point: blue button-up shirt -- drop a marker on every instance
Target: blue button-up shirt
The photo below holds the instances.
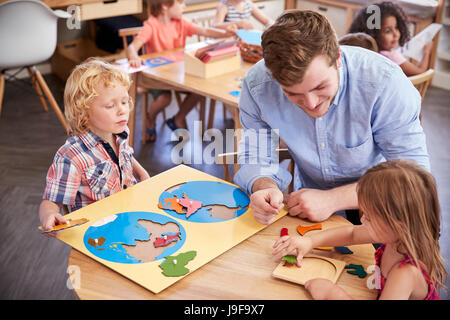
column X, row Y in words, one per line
column 374, row 117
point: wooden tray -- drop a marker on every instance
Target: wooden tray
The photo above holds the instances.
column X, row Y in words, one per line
column 313, row 266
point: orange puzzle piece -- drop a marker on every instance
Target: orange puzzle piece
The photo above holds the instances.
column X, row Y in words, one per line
column 302, row 230
column 172, row 203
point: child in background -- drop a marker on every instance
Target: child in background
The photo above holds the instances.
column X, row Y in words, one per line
column 166, row 29
column 400, row 208
column 359, row 39
column 238, row 12
column 393, row 33
column 96, row 160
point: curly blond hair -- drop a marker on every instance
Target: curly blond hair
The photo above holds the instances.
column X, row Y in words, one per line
column 80, row 90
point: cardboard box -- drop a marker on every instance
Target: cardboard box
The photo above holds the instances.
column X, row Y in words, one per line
column 71, row 53
column 196, row 67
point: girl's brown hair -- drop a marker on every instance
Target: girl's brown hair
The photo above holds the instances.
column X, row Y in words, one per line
column 404, row 196
column 80, row 90
column 155, row 6
column 294, row 40
column 387, row 9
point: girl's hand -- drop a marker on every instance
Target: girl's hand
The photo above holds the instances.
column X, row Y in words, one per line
column 136, row 62
column 231, row 29
column 245, row 24
column 319, row 289
column 286, row 245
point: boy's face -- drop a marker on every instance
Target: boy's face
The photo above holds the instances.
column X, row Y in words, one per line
column 317, row 89
column 176, row 10
column 109, row 111
column 389, row 34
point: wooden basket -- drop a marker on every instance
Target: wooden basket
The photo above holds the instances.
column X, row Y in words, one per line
column 250, row 52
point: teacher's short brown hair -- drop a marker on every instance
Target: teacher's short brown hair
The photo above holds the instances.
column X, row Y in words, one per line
column 294, row 40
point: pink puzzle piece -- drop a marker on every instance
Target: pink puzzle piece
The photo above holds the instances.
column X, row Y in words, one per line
column 191, row 205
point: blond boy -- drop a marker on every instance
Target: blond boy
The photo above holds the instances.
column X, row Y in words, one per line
column 96, row 160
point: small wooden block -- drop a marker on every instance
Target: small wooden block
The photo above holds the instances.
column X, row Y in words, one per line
column 284, row 232
column 69, row 224
column 302, row 229
column 324, row 248
column 343, row 250
column 313, row 266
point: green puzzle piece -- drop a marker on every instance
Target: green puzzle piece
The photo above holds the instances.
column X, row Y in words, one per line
column 359, row 270
column 290, row 258
column 175, row 266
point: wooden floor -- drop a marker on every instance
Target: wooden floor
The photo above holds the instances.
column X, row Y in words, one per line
column 35, row 267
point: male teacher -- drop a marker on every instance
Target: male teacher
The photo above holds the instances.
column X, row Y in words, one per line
column 340, row 111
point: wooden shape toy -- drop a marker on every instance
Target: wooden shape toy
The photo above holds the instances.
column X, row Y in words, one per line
column 70, row 223
column 284, row 232
column 304, row 229
column 313, row 266
column 173, row 204
column 324, row 248
column 175, row 266
column 165, row 240
column 358, row 270
column 191, row 205
column 343, row 250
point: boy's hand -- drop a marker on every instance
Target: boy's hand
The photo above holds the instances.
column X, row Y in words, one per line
column 286, row 245
column 319, row 289
column 50, row 220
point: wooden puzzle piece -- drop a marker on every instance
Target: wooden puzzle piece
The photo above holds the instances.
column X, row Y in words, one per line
column 289, row 260
column 304, row 229
column 175, row 266
column 165, row 240
column 96, row 242
column 284, row 232
column 324, row 248
column 172, row 204
column 191, row 205
column 70, row 223
column 358, row 270
column 343, row 250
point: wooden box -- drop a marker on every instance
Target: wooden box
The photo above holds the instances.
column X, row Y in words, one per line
column 196, row 67
column 71, row 53
column 109, row 8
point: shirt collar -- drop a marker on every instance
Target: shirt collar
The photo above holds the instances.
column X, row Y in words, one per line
column 90, row 139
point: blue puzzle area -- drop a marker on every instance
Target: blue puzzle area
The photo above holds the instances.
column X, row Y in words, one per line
column 209, row 193
column 108, row 237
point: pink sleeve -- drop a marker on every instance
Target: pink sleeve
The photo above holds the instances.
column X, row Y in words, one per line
column 394, row 56
column 190, row 28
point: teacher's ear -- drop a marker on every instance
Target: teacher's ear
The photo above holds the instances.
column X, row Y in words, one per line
column 338, row 60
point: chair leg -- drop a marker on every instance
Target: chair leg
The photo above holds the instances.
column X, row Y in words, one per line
column 212, row 109
column 38, row 89
column 2, row 90
column 202, row 114
column 144, row 115
column 51, row 99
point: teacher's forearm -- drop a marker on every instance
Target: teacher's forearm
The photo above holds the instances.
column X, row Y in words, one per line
column 345, row 197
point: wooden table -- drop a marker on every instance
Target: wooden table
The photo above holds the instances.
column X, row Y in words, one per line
column 243, row 272
column 172, row 77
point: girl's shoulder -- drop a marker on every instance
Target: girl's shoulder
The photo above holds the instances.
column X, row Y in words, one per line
column 408, row 274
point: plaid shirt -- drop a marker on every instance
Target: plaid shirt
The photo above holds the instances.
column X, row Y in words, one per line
column 83, row 172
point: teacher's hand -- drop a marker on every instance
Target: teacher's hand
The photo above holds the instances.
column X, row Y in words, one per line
column 265, row 204
column 311, row 204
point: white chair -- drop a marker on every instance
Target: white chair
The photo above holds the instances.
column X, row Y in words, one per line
column 28, row 32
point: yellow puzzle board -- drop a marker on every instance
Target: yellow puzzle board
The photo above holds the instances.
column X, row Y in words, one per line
column 209, row 240
column 313, row 266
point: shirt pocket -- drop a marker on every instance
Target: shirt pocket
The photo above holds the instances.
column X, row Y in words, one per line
column 352, row 162
column 100, row 179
